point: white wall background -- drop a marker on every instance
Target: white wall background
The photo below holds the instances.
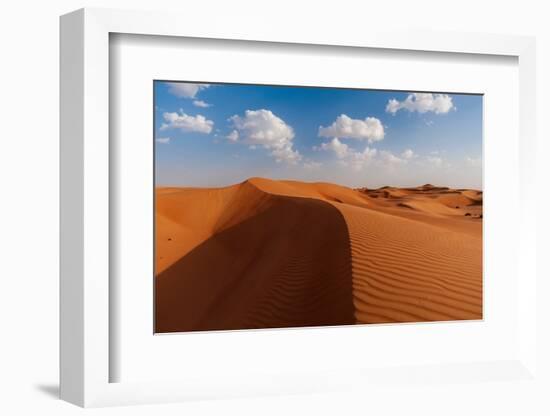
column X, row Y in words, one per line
column 29, row 114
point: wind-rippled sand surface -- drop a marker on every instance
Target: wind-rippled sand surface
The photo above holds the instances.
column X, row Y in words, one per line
column 268, row 254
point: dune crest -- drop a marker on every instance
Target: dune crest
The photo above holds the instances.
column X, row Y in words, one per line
column 269, row 253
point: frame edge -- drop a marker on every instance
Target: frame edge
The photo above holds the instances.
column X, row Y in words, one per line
column 71, row 219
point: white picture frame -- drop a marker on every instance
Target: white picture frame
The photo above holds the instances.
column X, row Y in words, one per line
column 85, row 220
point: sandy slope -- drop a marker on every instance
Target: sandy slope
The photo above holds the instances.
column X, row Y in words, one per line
column 188, row 216
column 406, row 270
column 270, row 261
column 270, row 253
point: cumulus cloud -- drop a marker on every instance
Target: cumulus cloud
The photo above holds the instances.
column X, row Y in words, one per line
column 233, row 136
column 201, row 104
column 347, row 156
column 286, row 154
column 187, row 123
column 185, row 89
column 380, row 159
column 163, row 140
column 408, row 154
column 265, row 129
column 345, row 127
column 359, row 160
column 390, row 159
column 422, row 103
column 340, row 149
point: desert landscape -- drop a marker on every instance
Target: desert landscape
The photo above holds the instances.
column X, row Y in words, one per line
column 271, row 210
column 278, row 253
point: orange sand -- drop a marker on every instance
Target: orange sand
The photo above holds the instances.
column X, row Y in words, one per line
column 264, row 254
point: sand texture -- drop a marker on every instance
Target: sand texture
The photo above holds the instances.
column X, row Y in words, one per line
column 269, row 254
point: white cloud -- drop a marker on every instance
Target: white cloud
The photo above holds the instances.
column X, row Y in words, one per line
column 201, row 104
column 286, row 154
column 347, row 156
column 187, row 123
column 358, row 160
column 263, row 128
column 185, row 89
column 390, row 159
column 345, row 127
column 340, row 149
column 383, row 161
column 163, row 140
column 422, row 103
column 361, row 159
column 233, row 136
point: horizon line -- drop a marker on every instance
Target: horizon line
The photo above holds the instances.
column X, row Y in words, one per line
column 156, row 186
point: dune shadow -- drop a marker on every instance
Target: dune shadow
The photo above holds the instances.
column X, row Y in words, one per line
column 288, row 266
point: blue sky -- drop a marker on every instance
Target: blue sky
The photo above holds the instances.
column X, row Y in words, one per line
column 221, row 134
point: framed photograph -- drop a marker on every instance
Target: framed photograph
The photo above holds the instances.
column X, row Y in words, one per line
column 282, row 212
column 277, row 206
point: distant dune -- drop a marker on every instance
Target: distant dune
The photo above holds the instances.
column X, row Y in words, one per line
column 268, row 254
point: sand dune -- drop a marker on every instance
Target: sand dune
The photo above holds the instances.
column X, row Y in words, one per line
column 266, row 253
column 276, row 262
column 405, row 270
column 187, row 217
